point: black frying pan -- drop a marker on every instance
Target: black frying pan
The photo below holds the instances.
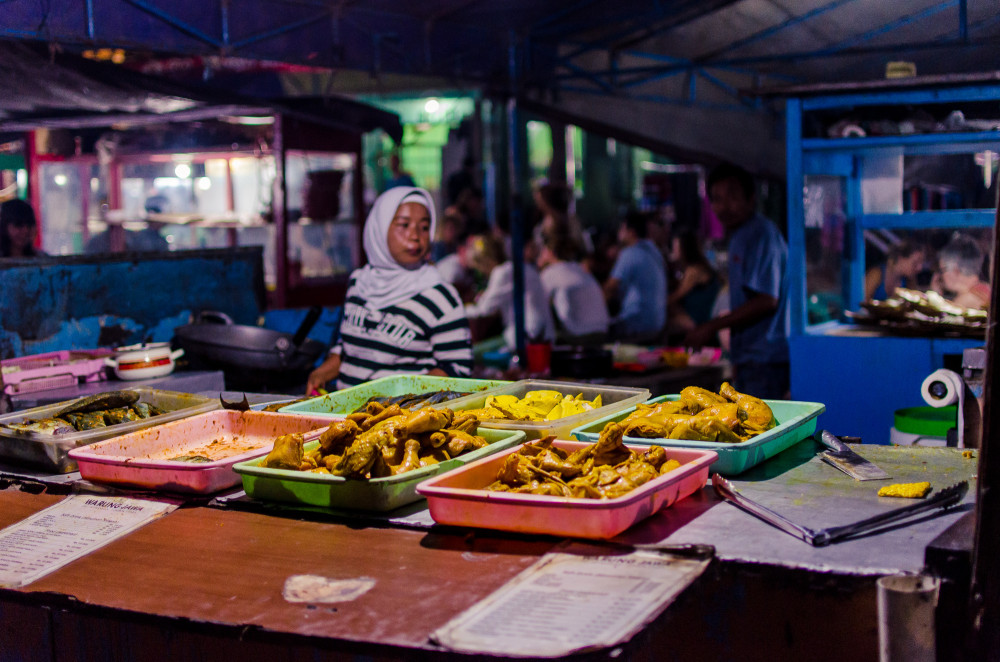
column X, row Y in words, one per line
column 214, row 338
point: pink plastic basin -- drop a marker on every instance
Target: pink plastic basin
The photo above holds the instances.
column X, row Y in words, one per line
column 142, row 458
column 458, row 498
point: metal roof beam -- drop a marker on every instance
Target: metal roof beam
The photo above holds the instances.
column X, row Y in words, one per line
column 290, row 27
column 693, row 12
column 664, row 99
column 774, row 29
column 175, row 23
column 889, row 27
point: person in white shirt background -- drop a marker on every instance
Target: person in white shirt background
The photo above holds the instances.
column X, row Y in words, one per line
column 487, row 256
column 577, row 300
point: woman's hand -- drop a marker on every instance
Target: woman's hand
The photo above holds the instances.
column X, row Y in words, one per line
column 326, row 371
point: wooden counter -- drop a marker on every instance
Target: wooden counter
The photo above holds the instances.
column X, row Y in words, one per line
column 205, row 582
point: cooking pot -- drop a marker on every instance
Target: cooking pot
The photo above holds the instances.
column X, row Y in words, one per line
column 244, row 350
column 143, row 361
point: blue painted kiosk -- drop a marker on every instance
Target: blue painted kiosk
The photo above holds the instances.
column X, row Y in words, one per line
column 871, row 165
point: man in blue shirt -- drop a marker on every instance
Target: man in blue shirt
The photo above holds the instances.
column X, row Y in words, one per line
column 758, row 288
column 639, row 281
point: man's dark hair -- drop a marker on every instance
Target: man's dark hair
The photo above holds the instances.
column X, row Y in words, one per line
column 637, row 222
column 724, row 171
column 563, row 247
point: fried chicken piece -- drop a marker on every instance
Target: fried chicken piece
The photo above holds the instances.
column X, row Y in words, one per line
column 361, row 455
column 461, row 442
column 411, row 457
column 386, row 413
column 338, row 436
column 286, row 453
column 428, row 420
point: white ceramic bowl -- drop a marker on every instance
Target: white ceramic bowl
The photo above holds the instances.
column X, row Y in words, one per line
column 144, row 361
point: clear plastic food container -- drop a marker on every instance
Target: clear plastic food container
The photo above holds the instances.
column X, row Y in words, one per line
column 796, row 421
column 613, row 399
column 458, row 498
column 147, row 458
column 51, row 452
column 345, row 401
column 375, row 494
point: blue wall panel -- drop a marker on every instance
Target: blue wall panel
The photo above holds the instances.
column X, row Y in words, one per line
column 84, row 302
column 864, row 380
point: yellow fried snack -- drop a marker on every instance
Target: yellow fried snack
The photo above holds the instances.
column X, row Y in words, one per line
column 534, row 406
column 906, row 490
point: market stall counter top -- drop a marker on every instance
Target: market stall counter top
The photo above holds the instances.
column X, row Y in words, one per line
column 800, row 486
column 212, row 581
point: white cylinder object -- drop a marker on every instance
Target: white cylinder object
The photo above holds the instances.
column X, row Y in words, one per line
column 941, row 388
column 906, row 605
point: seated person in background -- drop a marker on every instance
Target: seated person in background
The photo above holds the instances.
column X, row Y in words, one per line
column 470, row 207
column 399, row 316
column 959, row 264
column 454, row 268
column 639, row 281
column 696, row 284
column 487, row 256
column 580, row 314
column 553, row 200
column 903, row 263
column 18, row 229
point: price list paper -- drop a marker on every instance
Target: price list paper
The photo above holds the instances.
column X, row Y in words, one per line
column 72, row 528
column 568, row 603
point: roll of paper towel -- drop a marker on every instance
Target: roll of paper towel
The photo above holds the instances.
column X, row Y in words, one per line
column 941, row 388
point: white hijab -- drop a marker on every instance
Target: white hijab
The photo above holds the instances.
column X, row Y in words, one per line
column 383, row 281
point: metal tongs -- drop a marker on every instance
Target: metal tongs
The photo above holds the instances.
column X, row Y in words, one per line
column 945, row 498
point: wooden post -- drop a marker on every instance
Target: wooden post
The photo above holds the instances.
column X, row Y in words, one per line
column 985, row 594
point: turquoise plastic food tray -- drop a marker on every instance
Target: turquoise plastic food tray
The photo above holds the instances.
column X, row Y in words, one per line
column 796, row 421
column 343, row 402
column 375, row 494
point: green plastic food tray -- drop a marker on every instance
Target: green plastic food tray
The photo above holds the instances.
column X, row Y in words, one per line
column 343, row 402
column 613, row 398
column 376, row 494
column 796, row 421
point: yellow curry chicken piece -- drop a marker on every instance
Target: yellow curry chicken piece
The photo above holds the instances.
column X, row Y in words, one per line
column 701, row 415
column 603, row 470
column 535, row 406
column 380, row 441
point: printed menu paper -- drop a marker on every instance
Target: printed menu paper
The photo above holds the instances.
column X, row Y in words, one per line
column 568, row 602
column 74, row 527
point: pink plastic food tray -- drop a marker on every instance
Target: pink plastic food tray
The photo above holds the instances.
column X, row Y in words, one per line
column 140, row 459
column 54, row 369
column 457, row 498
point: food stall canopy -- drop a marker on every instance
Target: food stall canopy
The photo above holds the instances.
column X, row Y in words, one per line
column 51, row 89
column 644, row 66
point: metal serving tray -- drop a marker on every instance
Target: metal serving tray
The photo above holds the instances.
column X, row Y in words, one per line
column 51, row 452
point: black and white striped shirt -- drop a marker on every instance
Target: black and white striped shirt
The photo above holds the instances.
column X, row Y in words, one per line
column 426, row 331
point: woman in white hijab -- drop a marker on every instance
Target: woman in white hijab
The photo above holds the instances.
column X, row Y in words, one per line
column 399, row 315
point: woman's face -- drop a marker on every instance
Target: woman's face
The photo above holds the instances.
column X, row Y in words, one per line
column 21, row 237
column 954, row 280
column 409, row 237
column 911, row 265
